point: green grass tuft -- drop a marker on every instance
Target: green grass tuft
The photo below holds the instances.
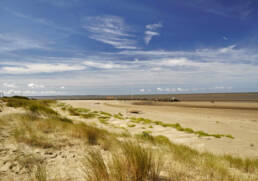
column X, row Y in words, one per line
column 118, row 116
column 89, row 115
column 131, row 125
column 162, row 140
column 103, row 119
column 105, row 113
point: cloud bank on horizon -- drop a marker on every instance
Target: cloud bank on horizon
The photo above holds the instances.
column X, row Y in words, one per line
column 59, row 47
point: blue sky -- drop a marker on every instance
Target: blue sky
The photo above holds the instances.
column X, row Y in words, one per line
column 75, row 47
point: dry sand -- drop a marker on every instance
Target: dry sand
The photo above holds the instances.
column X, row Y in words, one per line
column 240, row 119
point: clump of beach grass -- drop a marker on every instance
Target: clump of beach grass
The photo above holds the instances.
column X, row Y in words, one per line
column 160, row 139
column 82, row 112
column 103, row 119
column 41, row 172
column 40, row 107
column 247, row 165
column 89, row 115
column 133, row 162
column 105, row 114
column 118, row 116
column 94, row 166
column 93, row 135
column 77, row 111
column 131, row 125
column 27, row 133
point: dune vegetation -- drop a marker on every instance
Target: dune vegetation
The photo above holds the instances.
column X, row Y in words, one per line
column 46, row 140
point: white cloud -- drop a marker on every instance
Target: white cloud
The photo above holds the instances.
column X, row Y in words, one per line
column 104, row 65
column 32, row 85
column 154, row 26
column 227, row 49
column 40, row 68
column 228, row 54
column 111, row 30
column 150, row 32
column 49, row 92
column 221, row 88
column 225, row 67
column 149, row 35
column 9, row 85
column 142, row 90
column 170, row 62
column 178, row 89
column 12, row 92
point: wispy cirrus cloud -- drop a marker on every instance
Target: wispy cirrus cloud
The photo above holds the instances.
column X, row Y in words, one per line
column 151, row 31
column 104, row 65
column 42, row 21
column 111, row 30
column 9, row 42
column 40, row 68
column 230, row 54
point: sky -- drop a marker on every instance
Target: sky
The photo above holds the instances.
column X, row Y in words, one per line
column 96, row 47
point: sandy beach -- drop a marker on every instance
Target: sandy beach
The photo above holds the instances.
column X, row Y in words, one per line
column 239, row 119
